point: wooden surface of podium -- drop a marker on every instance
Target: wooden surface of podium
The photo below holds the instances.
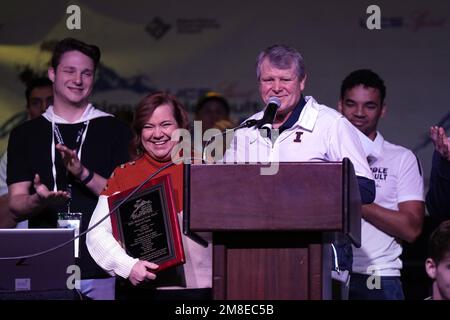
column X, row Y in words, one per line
column 271, row 232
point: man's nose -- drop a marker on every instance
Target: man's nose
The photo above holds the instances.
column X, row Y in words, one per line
column 276, row 86
column 78, row 78
column 359, row 112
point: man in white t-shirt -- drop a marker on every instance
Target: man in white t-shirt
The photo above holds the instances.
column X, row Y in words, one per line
column 398, row 210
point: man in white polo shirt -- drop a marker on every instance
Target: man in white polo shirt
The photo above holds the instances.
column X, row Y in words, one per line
column 307, row 130
column 398, row 211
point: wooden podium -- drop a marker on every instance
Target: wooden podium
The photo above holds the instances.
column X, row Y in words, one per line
column 271, row 232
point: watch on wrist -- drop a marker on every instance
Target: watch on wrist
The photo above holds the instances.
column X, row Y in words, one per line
column 89, row 177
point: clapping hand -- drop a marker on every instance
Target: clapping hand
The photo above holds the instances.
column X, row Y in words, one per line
column 47, row 196
column 440, row 141
column 70, row 159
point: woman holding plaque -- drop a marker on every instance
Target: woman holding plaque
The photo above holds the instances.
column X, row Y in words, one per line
column 155, row 120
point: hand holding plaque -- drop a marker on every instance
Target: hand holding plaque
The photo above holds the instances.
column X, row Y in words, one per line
column 146, row 225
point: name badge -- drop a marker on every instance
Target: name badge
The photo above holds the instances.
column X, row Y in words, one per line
column 71, row 220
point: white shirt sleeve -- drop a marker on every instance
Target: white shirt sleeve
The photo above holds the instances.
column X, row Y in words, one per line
column 410, row 184
column 103, row 247
column 344, row 143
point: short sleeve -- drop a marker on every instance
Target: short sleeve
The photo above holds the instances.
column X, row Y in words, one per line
column 344, row 143
column 410, row 186
column 18, row 166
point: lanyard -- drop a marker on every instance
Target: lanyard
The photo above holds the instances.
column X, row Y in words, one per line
column 55, row 130
column 60, row 139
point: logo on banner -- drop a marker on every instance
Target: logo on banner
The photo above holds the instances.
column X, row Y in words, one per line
column 157, row 28
column 417, row 20
column 194, row 26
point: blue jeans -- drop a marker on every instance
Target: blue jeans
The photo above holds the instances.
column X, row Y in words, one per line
column 390, row 288
column 99, row 289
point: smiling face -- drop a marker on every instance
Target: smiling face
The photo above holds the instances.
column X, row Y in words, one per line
column 73, row 79
column 157, row 131
column 281, row 83
column 362, row 106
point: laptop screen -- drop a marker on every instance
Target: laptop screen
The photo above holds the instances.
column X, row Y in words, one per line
column 42, row 273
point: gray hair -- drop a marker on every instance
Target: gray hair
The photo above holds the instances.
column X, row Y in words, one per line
column 282, row 57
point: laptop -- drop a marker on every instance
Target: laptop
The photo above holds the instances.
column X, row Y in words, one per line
column 42, row 277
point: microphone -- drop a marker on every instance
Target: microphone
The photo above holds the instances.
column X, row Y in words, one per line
column 269, row 114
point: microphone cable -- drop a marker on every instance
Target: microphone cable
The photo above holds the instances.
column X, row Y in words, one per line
column 102, row 219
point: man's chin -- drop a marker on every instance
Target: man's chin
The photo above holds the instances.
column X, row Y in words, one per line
column 77, row 101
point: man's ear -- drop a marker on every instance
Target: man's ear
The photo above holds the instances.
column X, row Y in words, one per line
column 340, row 105
column 383, row 110
column 51, row 74
column 430, row 268
column 302, row 83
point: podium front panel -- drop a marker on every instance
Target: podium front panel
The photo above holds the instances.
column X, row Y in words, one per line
column 301, row 196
